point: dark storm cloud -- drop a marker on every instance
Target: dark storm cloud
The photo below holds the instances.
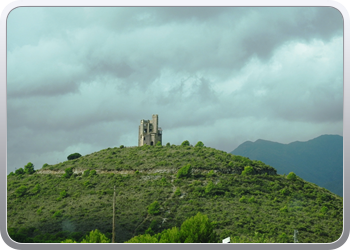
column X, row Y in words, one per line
column 81, row 79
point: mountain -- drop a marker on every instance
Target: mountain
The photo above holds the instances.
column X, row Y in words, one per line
column 160, row 187
column 319, row 160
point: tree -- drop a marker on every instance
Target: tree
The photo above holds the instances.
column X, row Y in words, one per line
column 185, row 143
column 199, row 144
column 29, row 168
column 95, row 237
column 185, row 171
column 73, row 156
column 19, row 171
column 198, row 229
column 158, row 144
column 171, row 235
column 146, row 238
column 68, row 241
column 291, row 176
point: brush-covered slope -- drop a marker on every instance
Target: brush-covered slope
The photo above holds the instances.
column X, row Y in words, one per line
column 238, row 204
column 319, row 160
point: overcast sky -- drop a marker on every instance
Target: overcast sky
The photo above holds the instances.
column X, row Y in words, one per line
column 81, row 79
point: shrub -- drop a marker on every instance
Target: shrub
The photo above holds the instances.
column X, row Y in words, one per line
column 185, row 143
column 158, row 144
column 63, row 194
column 69, row 172
column 243, row 199
column 185, row 171
column 291, row 176
column 95, row 237
column 73, row 156
column 19, row 171
column 210, row 186
column 121, row 146
column 36, row 189
column 68, row 241
column 146, row 238
column 199, row 144
column 86, row 173
column 45, row 165
column 57, row 214
column 248, row 170
column 11, row 174
column 153, row 208
column 92, row 172
column 168, row 144
column 198, row 229
column 210, row 173
column 177, row 192
column 21, row 191
column 29, row 168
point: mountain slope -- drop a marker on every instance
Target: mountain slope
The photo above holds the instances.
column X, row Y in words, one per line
column 319, row 160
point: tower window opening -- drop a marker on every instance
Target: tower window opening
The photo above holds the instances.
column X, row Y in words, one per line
column 145, row 130
column 151, row 143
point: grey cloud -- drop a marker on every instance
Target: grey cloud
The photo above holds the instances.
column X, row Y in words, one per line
column 84, row 77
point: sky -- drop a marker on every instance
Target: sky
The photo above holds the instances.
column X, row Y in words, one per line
column 80, row 79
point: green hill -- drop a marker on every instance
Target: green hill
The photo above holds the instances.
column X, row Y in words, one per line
column 72, row 198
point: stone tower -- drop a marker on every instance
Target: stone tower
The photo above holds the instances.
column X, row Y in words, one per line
column 149, row 132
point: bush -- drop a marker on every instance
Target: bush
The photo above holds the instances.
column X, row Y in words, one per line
column 248, row 170
column 185, row 143
column 73, row 156
column 168, row 144
column 210, row 186
column 63, row 194
column 154, row 208
column 197, row 229
column 177, row 192
column 158, row 144
column 19, row 171
column 36, row 189
column 29, row 168
column 69, row 172
column 121, row 146
column 199, row 144
column 291, row 176
column 92, row 172
column 243, row 199
column 95, row 237
column 68, row 241
column 185, row 171
column 21, row 191
column 57, row 214
column 45, row 165
column 86, row 173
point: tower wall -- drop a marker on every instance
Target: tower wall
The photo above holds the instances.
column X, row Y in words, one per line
column 149, row 132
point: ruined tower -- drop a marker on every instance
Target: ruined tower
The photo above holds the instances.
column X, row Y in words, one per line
column 149, row 132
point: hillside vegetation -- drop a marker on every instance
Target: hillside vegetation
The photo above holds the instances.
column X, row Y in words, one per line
column 319, row 160
column 159, row 188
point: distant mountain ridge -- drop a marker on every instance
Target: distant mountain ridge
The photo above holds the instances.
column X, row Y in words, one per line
column 319, row 160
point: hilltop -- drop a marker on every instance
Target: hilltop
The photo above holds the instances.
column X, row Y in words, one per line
column 74, row 197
